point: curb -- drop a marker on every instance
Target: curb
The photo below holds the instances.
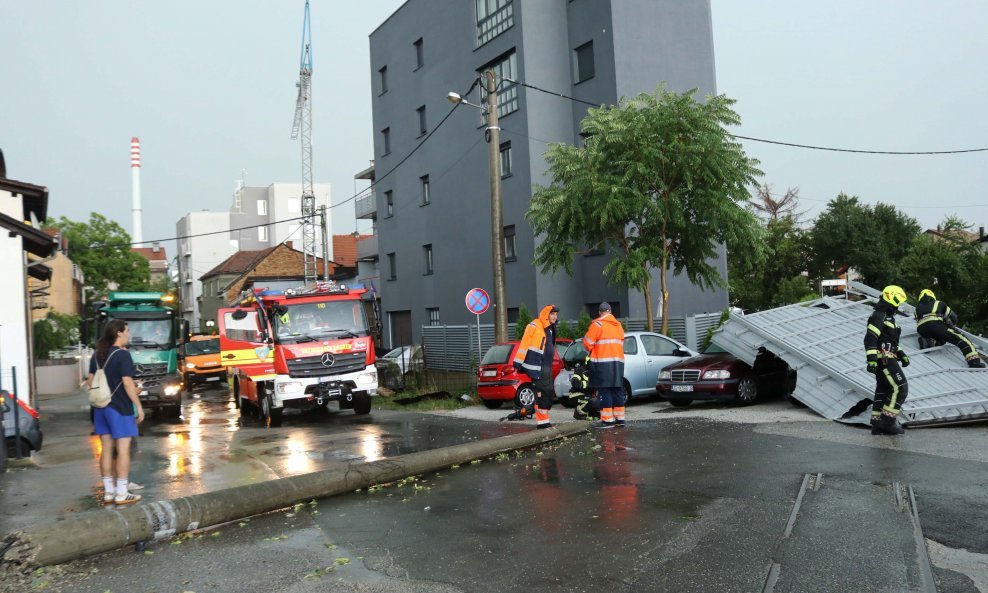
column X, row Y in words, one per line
column 94, row 532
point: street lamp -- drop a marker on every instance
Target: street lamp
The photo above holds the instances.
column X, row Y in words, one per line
column 497, row 216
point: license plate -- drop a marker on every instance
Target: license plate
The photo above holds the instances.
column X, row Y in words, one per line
column 682, row 388
column 332, row 392
column 489, row 374
column 145, row 392
column 212, row 378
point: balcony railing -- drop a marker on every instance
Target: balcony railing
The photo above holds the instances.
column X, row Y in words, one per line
column 365, row 207
column 367, row 248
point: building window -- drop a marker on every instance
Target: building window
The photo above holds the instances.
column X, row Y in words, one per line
column 386, row 140
column 504, row 67
column 392, row 268
column 389, row 203
column 509, row 243
column 433, row 315
column 427, row 253
column 383, row 78
column 426, row 197
column 262, row 207
column 591, row 309
column 493, row 18
column 419, row 56
column 422, row 126
column 583, row 62
column 505, row 160
column 262, row 234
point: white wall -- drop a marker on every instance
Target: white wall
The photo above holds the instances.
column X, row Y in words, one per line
column 13, row 327
column 203, row 253
column 284, row 202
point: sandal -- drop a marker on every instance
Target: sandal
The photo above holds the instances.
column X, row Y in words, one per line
column 128, row 498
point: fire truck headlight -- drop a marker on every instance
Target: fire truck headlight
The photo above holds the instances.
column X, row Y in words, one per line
column 289, row 386
column 367, row 378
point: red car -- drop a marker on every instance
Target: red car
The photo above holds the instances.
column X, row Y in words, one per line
column 719, row 375
column 498, row 381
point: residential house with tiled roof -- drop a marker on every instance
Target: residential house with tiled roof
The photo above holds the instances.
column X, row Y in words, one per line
column 157, row 261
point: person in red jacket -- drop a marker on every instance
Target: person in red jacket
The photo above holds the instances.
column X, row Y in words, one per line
column 534, row 358
column 605, row 344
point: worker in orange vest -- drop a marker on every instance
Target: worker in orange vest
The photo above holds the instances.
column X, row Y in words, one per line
column 605, row 344
column 534, row 358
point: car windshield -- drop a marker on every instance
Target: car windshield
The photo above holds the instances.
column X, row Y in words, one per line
column 498, row 354
column 197, row 347
column 576, row 352
column 396, row 353
column 150, row 333
column 714, row 349
column 307, row 322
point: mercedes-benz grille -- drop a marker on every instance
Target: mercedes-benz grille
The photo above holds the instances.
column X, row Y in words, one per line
column 316, row 366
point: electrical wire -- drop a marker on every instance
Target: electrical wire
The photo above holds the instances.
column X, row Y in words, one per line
column 776, row 142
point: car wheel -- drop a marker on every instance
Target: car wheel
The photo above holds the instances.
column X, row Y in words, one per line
column 747, row 391
column 525, row 397
column 680, row 403
column 492, row 404
column 627, row 392
column 12, row 446
column 361, row 403
column 186, row 384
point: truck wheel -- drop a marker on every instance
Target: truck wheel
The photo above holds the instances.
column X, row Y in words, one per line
column 492, row 404
column 270, row 415
column 173, row 412
column 361, row 403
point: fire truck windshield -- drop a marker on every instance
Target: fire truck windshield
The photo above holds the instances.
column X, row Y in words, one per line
column 305, row 322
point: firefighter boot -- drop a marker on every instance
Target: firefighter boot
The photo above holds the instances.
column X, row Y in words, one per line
column 975, row 363
column 887, row 425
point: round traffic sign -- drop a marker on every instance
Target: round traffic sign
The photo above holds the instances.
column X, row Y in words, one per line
column 478, row 301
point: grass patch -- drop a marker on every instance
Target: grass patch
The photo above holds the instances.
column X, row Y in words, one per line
column 386, row 402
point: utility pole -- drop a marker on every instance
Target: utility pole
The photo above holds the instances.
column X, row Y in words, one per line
column 497, row 216
column 324, row 220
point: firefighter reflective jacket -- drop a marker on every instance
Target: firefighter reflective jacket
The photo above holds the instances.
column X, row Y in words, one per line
column 528, row 359
column 605, row 343
column 882, row 338
column 930, row 309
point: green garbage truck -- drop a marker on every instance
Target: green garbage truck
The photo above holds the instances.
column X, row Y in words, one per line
column 155, row 335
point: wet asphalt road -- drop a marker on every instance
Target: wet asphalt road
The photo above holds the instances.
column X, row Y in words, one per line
column 671, row 504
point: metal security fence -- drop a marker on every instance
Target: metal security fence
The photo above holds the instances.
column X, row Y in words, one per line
column 454, row 347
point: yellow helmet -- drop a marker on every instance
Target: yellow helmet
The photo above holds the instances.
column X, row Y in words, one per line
column 926, row 292
column 894, row 295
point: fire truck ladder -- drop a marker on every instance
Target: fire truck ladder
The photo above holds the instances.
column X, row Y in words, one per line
column 302, row 125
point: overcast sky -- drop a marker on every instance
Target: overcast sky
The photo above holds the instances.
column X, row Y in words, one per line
column 209, row 87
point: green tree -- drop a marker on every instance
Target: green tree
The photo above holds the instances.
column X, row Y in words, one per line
column 872, row 240
column 658, row 184
column 779, row 280
column 524, row 318
column 54, row 332
column 101, row 248
column 583, row 323
column 566, row 329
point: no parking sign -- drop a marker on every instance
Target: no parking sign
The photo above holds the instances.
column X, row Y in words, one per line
column 478, row 301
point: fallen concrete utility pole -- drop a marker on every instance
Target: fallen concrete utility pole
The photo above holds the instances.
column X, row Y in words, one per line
column 99, row 531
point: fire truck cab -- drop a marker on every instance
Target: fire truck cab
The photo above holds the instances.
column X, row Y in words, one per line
column 298, row 349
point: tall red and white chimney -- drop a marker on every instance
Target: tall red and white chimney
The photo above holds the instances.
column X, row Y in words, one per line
column 135, row 188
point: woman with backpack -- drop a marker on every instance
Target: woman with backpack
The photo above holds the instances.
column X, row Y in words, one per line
column 115, row 423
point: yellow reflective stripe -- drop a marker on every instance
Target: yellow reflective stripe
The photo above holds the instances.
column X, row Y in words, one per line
column 874, row 330
column 894, row 396
column 244, row 356
column 871, row 351
column 890, row 323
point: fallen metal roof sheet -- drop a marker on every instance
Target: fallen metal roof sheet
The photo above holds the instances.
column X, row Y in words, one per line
column 823, row 341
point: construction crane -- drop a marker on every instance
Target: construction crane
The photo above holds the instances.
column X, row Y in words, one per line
column 302, row 126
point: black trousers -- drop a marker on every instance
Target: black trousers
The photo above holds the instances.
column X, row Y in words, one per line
column 891, row 388
column 942, row 333
column 545, row 392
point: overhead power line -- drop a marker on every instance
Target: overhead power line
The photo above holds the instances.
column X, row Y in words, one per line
column 791, row 144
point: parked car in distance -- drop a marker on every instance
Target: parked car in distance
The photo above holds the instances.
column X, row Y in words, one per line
column 30, row 427
column 718, row 375
column 498, row 381
column 394, row 367
column 201, row 362
column 645, row 355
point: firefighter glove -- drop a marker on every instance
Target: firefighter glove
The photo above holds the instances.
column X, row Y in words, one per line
column 873, row 367
column 903, row 359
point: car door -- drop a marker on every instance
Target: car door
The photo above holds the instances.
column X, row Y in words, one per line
column 634, row 365
column 658, row 353
column 243, row 343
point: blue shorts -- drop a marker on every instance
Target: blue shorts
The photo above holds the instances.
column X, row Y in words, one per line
column 109, row 421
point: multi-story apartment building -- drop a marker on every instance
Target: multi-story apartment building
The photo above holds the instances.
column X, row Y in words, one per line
column 199, row 251
column 433, row 210
column 278, row 201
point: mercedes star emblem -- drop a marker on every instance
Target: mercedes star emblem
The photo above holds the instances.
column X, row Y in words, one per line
column 327, row 359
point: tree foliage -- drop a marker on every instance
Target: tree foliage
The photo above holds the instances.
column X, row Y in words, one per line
column 658, row 184
column 524, row 318
column 871, row 239
column 779, row 280
column 101, row 248
column 55, row 332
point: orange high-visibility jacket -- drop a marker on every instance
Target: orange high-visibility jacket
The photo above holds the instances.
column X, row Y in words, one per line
column 528, row 359
column 605, row 343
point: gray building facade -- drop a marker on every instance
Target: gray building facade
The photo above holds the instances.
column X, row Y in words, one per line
column 433, row 211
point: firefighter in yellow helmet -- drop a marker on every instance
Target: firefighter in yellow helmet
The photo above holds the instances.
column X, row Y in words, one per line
column 885, row 360
column 935, row 322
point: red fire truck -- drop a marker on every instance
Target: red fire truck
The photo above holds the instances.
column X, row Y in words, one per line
column 298, row 349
